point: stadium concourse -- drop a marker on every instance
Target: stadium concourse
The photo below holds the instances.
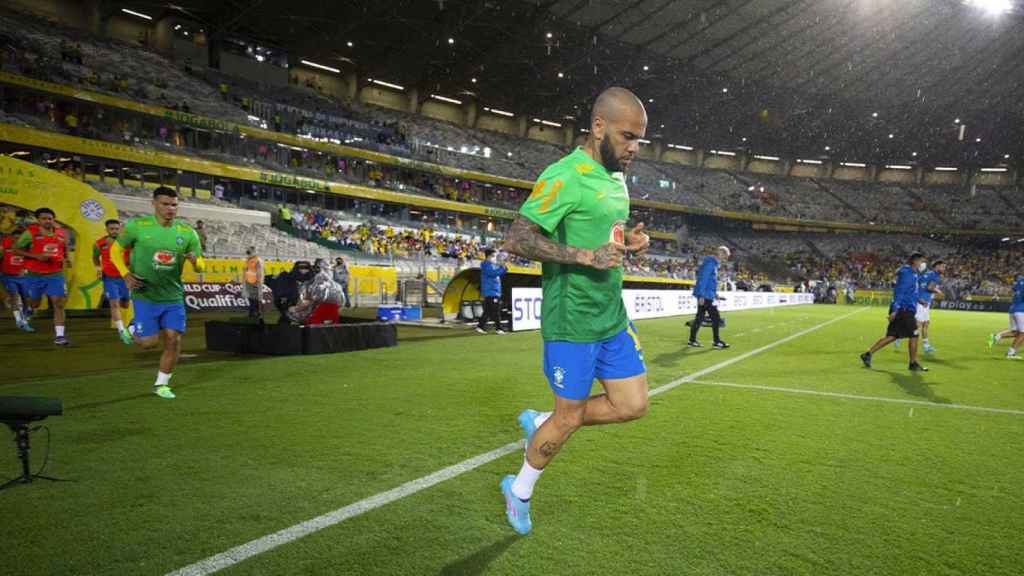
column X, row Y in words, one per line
column 385, row 159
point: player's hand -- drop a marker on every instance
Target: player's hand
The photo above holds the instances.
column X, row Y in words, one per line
column 892, row 316
column 636, row 241
column 133, row 281
column 607, row 256
column 99, row 273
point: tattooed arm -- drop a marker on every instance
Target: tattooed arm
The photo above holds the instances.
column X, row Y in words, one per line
column 524, row 238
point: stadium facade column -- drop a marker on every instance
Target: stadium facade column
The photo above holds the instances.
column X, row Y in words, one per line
column 570, row 133
column 1015, row 176
column 786, row 166
column 472, row 112
column 872, row 173
column 351, row 81
column 659, row 148
column 95, row 19
column 743, row 161
column 524, row 126
column 828, row 169
column 968, row 177
column 919, row 175
column 414, row 100
column 698, row 157
column 163, row 36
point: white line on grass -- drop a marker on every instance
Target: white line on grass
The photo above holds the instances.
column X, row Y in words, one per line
column 269, row 542
column 861, row 397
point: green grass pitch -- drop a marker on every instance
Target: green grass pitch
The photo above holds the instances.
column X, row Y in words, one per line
column 716, row 479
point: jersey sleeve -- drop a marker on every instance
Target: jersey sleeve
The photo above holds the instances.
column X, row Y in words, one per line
column 553, row 197
column 25, row 240
column 128, row 234
column 194, row 247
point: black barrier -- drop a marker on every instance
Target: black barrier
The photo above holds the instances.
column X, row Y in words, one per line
column 970, row 306
column 288, row 340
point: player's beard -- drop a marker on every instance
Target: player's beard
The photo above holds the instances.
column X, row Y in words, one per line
column 608, row 158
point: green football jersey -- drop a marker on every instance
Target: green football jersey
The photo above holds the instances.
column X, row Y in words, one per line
column 578, row 203
column 158, row 256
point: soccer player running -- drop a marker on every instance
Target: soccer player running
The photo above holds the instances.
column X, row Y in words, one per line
column 927, row 288
column 12, row 272
column 574, row 223
column 114, row 286
column 44, row 247
column 1017, row 318
column 902, row 323
column 706, row 293
column 159, row 246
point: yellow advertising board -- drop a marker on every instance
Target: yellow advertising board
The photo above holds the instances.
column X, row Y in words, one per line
column 79, row 208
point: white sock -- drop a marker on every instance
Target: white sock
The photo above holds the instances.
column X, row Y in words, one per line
column 18, row 316
column 59, row 330
column 522, row 488
column 1011, row 352
column 162, row 379
column 926, row 342
column 541, row 418
column 120, row 325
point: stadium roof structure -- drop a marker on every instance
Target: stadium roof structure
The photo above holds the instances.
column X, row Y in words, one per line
column 871, row 80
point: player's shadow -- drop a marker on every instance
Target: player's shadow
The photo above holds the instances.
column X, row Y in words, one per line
column 914, row 385
column 478, row 561
column 671, row 358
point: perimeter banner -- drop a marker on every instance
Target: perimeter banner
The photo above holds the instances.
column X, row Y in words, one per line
column 645, row 304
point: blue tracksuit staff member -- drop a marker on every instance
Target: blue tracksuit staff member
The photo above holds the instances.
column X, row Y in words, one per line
column 706, row 293
column 902, row 324
column 490, row 288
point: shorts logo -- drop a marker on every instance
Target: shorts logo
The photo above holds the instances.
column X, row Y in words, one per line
column 559, row 374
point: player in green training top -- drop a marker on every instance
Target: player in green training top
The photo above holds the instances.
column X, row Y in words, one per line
column 159, row 245
column 574, row 222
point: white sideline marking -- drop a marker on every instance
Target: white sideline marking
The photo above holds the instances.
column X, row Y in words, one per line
column 862, row 397
column 269, row 542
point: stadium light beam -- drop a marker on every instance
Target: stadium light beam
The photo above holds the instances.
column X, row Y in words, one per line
column 898, row 167
column 803, row 161
column 387, row 84
column 946, row 169
column 854, row 164
column 995, row 170
column 994, row 7
column 498, row 112
column 446, row 99
column 722, row 152
column 768, row 158
column 137, row 14
column 680, row 147
column 320, row 66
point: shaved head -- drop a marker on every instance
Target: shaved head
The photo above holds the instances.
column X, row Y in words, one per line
column 616, row 103
column 617, row 122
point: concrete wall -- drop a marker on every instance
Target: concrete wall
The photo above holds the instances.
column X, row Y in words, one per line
column 807, row 170
column 898, row 176
column 848, row 173
column 934, row 177
column 64, row 11
column 647, row 152
column 250, row 69
column 130, row 29
column 546, row 134
column 721, row 162
column 764, row 167
column 384, row 97
column 688, row 158
column 331, row 83
column 443, row 111
column 503, row 124
column 993, row 179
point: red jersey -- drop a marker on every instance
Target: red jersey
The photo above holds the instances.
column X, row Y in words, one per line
column 13, row 264
column 54, row 245
column 102, row 249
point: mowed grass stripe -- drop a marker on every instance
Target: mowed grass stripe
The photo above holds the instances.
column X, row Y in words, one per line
column 263, row 544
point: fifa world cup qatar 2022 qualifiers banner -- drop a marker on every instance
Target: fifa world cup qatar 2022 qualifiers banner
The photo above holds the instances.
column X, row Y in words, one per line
column 218, row 296
column 644, row 304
